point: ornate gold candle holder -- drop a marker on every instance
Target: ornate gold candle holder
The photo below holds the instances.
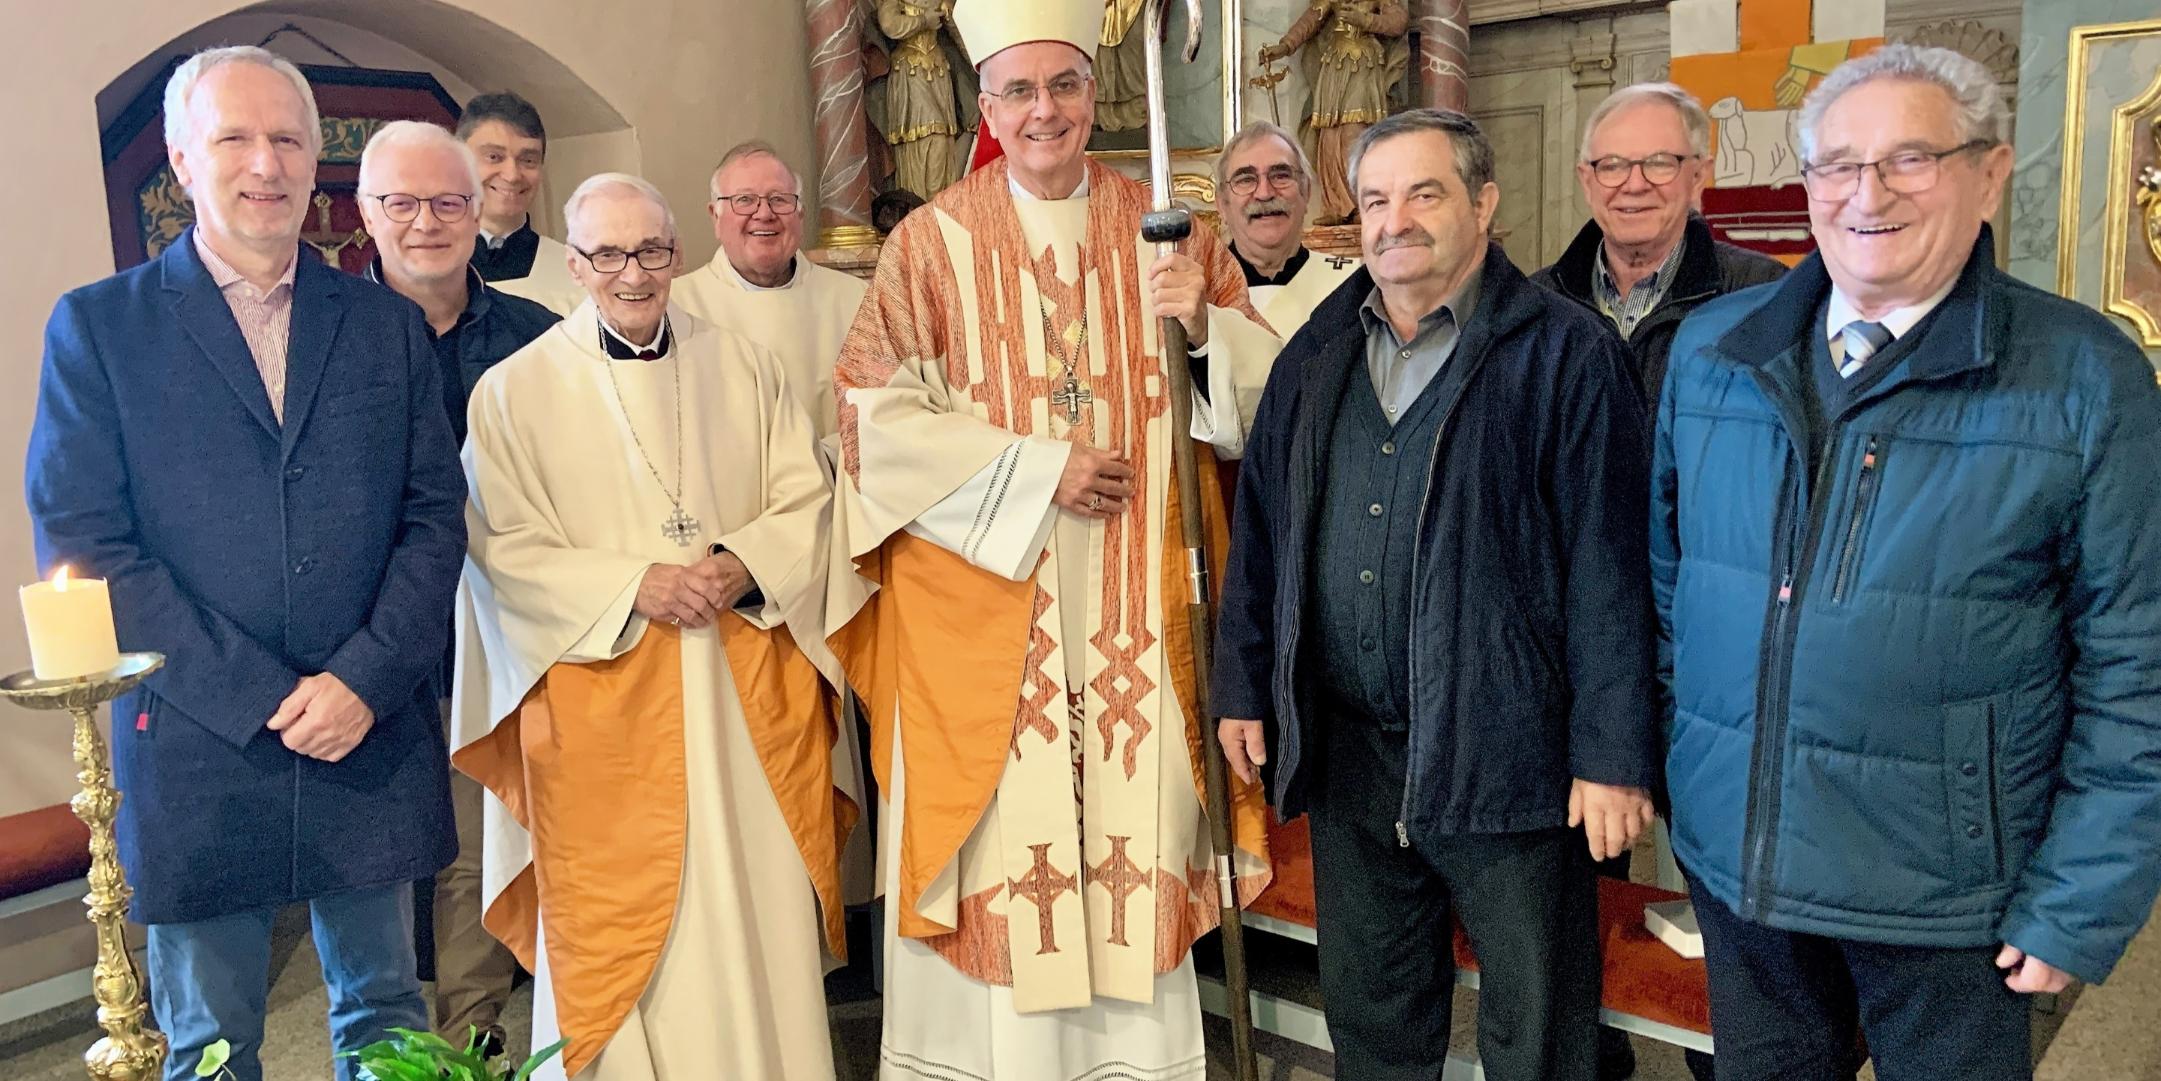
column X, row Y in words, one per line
column 130, row 1050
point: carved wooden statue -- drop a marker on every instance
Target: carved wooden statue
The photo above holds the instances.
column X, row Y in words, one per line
column 1355, row 54
column 920, row 108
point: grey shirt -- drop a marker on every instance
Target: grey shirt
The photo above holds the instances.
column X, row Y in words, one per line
column 1400, row 369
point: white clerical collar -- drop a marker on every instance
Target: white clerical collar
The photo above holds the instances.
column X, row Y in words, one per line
column 795, row 274
column 1013, row 182
column 1840, row 311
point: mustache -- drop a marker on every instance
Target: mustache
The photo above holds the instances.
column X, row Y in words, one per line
column 1412, row 237
column 1273, row 204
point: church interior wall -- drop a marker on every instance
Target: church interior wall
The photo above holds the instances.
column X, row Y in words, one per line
column 661, row 91
column 662, row 95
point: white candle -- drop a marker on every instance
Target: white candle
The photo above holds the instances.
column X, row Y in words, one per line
column 70, row 621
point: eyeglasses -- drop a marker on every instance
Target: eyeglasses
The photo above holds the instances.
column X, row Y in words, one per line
column 611, row 261
column 783, row 204
column 1279, row 177
column 1613, row 169
column 400, row 207
column 1064, row 88
column 1908, row 172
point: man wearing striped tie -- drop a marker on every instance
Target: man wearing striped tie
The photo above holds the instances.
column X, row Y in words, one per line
column 1910, row 612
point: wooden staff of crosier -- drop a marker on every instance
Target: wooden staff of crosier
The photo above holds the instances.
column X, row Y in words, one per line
column 1164, row 225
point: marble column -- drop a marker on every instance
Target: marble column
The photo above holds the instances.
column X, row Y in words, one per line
column 836, row 87
column 1444, row 46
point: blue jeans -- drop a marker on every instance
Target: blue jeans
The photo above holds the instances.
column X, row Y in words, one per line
column 209, row 980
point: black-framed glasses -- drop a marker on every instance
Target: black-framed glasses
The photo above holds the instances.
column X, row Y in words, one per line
column 1063, row 89
column 611, row 261
column 1613, row 169
column 401, row 207
column 1279, row 178
column 746, row 204
column 1908, row 172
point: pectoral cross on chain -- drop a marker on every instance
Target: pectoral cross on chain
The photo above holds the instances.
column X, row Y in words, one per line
column 1070, row 396
column 680, row 528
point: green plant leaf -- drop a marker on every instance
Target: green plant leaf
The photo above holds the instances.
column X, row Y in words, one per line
column 214, row 1058
column 424, row 1040
column 539, row 1057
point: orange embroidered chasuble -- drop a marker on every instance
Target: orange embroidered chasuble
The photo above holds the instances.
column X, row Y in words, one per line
column 1026, row 667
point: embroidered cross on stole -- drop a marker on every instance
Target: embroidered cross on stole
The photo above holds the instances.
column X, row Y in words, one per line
column 1097, row 592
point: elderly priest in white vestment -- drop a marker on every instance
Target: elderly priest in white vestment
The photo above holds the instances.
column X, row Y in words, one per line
column 1006, row 442
column 648, row 535
column 762, row 286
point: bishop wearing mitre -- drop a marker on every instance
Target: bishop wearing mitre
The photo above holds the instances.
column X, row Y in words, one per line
column 1006, row 488
column 649, row 528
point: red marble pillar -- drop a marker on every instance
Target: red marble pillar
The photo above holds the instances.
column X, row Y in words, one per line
column 1442, row 66
column 836, row 88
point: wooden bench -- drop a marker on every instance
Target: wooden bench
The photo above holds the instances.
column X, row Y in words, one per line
column 1649, row 989
column 47, row 946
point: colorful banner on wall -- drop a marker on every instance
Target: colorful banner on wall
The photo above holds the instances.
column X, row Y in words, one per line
column 1755, row 199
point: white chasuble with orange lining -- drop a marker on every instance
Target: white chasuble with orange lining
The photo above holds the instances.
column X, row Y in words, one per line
column 1045, row 847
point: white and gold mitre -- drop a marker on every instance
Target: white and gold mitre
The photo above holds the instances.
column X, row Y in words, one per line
column 988, row 27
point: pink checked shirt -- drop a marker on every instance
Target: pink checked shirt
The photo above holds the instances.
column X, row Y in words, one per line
column 266, row 320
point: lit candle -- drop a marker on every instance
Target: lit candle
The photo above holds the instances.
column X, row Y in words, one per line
column 70, row 621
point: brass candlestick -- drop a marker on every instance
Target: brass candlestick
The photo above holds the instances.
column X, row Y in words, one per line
column 130, row 1050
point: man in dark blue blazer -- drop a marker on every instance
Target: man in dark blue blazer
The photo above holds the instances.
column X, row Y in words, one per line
column 252, row 449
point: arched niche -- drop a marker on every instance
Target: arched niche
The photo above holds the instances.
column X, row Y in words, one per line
column 422, row 49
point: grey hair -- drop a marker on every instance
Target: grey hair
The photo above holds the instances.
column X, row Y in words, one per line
column 420, row 135
column 1982, row 113
column 1253, row 133
column 191, row 71
column 751, row 148
column 1474, row 153
column 599, row 182
column 1694, row 120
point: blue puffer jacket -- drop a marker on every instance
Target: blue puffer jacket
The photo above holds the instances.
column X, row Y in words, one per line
column 1916, row 697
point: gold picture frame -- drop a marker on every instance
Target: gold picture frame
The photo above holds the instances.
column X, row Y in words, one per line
column 2118, row 222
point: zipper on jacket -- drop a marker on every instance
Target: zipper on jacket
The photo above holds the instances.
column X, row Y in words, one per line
column 1864, row 493
column 1759, row 838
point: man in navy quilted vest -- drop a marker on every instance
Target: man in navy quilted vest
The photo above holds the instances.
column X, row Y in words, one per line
column 1910, row 601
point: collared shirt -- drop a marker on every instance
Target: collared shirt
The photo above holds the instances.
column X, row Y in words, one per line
column 1290, row 270
column 1400, row 370
column 1840, row 311
column 620, row 348
column 266, row 319
column 507, row 257
column 1626, row 312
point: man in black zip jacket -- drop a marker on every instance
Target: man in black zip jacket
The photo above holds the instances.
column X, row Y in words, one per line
column 1436, row 615
column 1645, row 260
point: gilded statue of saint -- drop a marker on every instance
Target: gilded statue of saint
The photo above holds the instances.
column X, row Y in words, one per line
column 1121, row 69
column 921, row 109
column 1355, row 52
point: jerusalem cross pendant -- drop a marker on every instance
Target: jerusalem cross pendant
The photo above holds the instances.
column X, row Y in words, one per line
column 680, row 528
